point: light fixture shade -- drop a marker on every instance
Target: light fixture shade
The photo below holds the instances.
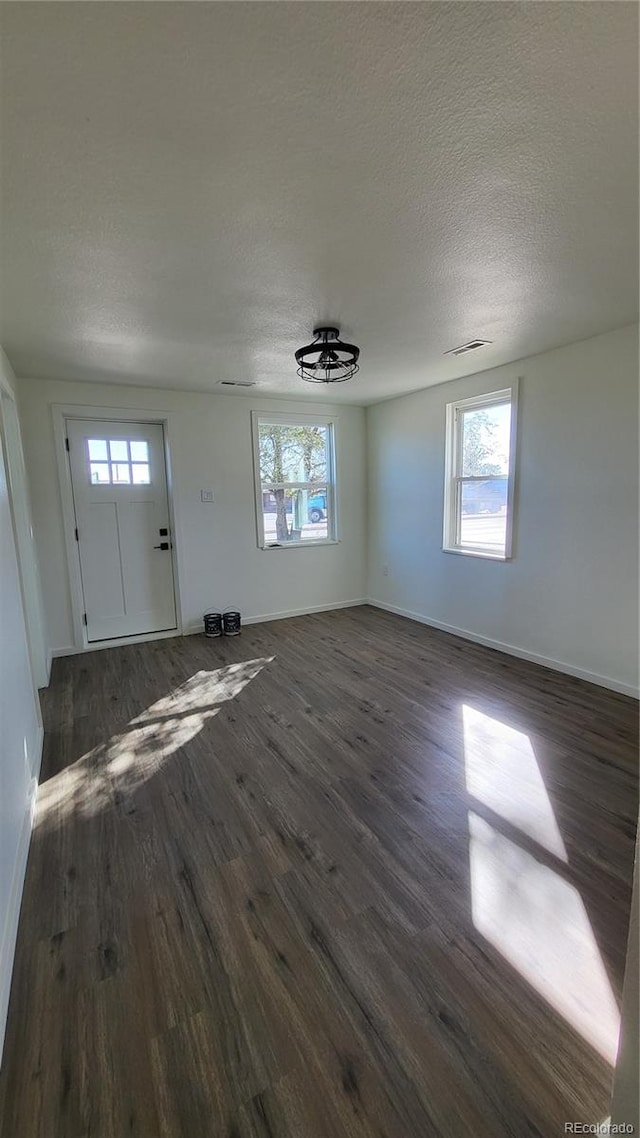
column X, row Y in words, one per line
column 327, row 359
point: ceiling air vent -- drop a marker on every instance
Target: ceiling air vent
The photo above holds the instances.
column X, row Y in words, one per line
column 237, row 383
column 470, row 347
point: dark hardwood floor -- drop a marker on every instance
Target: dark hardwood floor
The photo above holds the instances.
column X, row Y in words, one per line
column 342, row 876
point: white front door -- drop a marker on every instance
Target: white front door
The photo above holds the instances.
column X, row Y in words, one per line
column 119, row 481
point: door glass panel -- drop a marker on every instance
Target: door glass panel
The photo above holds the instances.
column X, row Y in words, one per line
column 119, row 453
column 97, row 450
column 100, row 472
column 109, row 462
column 139, row 450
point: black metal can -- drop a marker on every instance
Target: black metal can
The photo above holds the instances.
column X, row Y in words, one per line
column 213, row 624
column 231, row 623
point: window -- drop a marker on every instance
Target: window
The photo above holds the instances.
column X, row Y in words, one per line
column 118, row 461
column 480, row 453
column 295, row 480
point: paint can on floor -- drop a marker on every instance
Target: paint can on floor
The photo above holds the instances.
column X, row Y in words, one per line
column 213, row 624
column 231, row 623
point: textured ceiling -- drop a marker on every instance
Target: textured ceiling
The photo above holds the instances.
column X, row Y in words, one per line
column 189, row 188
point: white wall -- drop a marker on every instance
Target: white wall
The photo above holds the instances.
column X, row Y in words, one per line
column 20, row 739
column 570, row 593
column 220, row 564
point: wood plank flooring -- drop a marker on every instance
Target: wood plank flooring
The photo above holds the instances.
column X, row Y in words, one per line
column 343, row 876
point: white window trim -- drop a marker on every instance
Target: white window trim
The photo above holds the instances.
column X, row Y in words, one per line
column 331, row 483
column 453, row 442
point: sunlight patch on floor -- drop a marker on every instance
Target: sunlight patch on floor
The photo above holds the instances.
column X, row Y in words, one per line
column 502, row 772
column 205, row 690
column 129, row 758
column 538, row 922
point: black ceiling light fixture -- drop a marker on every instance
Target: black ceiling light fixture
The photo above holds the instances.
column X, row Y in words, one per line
column 327, row 359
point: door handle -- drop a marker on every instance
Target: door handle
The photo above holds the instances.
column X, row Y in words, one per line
column 163, row 545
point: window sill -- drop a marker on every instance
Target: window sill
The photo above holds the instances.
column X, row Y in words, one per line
column 483, row 553
column 298, row 545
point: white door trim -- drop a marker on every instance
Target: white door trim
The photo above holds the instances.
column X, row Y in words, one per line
column 60, row 413
column 28, row 565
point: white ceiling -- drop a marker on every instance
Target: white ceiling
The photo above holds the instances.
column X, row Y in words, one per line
column 189, row 188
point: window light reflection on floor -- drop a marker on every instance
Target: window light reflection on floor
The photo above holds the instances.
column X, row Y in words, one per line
column 502, row 772
column 538, row 922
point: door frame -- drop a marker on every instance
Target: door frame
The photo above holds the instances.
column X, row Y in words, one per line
column 61, row 412
column 28, row 562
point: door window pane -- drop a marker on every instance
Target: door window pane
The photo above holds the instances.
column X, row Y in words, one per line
column 118, row 449
column 139, row 450
column 109, row 462
column 97, row 450
column 100, row 472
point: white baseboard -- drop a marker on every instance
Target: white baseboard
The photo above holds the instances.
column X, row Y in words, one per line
column 512, row 650
column 12, row 916
column 71, row 650
column 193, row 628
column 261, row 618
column 303, row 612
column 36, row 764
column 119, row 642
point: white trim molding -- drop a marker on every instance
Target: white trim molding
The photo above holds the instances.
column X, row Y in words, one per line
column 512, row 650
column 118, row 642
column 454, row 467
column 20, row 505
column 277, row 418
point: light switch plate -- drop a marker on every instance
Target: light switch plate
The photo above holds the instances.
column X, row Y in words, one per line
column 206, row 495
